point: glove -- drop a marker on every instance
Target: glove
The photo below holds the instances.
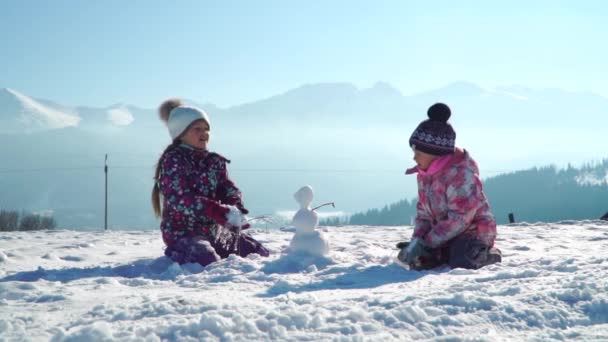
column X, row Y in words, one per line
column 242, row 208
column 235, row 219
column 402, row 244
column 414, row 251
column 237, row 202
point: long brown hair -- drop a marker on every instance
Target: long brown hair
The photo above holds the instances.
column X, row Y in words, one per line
column 164, row 112
column 156, row 188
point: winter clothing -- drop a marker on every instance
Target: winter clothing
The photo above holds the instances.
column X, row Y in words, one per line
column 420, row 258
column 181, row 117
column 435, row 136
column 461, row 252
column 471, row 254
column 436, row 165
column 192, row 250
column 402, row 244
column 415, row 250
column 452, row 207
column 199, row 250
column 197, row 198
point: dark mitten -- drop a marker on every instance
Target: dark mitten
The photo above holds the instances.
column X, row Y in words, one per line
column 242, row 208
column 402, row 244
column 236, row 201
column 416, row 251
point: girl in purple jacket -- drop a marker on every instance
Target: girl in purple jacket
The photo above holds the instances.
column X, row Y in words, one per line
column 454, row 224
column 202, row 210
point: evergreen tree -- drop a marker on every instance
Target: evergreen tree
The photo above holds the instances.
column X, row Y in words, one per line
column 538, row 194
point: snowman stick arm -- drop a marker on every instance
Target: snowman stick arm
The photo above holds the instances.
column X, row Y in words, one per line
column 324, row 204
column 263, row 218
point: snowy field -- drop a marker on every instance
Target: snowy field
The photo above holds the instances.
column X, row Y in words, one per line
column 105, row 286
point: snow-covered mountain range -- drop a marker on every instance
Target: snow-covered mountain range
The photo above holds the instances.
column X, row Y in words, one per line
column 379, row 104
column 20, row 113
column 339, row 138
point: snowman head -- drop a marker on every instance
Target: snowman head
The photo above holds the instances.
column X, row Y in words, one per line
column 304, row 196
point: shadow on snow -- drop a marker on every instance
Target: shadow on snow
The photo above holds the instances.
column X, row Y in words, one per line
column 161, row 268
column 352, row 278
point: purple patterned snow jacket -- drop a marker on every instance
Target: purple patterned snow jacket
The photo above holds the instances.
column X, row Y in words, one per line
column 196, row 190
column 451, row 203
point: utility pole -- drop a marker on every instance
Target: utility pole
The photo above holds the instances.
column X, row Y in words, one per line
column 106, row 209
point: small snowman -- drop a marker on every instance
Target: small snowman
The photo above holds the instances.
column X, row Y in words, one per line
column 307, row 239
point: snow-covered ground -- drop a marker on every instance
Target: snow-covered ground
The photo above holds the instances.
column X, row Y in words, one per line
column 98, row 286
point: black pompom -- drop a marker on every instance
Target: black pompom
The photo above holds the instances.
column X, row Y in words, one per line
column 439, row 112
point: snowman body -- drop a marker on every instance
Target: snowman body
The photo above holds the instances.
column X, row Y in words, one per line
column 307, row 239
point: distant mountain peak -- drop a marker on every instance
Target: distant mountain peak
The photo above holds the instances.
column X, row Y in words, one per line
column 335, row 91
column 517, row 92
column 21, row 112
column 463, row 88
column 118, row 105
column 455, row 89
column 514, row 88
column 319, row 88
column 318, row 93
column 8, row 93
column 384, row 88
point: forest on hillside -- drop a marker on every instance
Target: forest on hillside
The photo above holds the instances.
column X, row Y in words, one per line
column 544, row 194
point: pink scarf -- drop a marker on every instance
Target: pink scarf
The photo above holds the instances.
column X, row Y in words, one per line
column 435, row 166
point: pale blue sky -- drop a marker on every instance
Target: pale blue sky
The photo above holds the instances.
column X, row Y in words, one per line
column 229, row 52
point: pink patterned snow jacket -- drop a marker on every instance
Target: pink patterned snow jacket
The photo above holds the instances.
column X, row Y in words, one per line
column 451, row 202
column 196, row 193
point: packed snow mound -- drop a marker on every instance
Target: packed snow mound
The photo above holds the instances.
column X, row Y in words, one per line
column 313, row 243
column 91, row 286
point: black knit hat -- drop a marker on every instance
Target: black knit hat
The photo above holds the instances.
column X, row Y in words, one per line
column 435, row 136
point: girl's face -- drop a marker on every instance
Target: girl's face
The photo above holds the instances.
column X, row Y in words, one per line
column 197, row 135
column 423, row 160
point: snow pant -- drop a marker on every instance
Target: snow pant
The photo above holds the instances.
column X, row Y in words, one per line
column 471, row 253
column 204, row 250
column 460, row 252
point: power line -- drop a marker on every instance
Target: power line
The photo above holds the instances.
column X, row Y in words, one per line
column 50, row 169
column 318, row 170
column 232, row 170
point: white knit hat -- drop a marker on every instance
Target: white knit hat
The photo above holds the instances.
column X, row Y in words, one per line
column 182, row 116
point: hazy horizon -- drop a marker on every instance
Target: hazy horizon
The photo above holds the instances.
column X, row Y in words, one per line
column 473, row 130
column 350, row 144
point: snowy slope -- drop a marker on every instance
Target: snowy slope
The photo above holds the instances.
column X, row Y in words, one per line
column 593, row 177
column 94, row 286
column 21, row 113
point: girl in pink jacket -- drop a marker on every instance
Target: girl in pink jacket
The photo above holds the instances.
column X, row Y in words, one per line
column 454, row 224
